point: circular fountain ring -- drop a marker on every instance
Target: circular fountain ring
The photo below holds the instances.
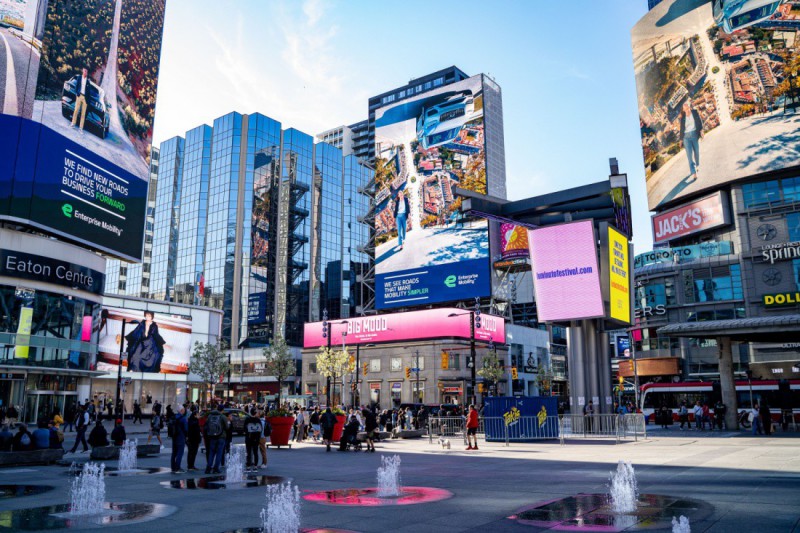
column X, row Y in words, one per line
column 58, row 516
column 369, row 497
column 218, row 482
column 17, row 491
column 592, row 512
column 112, row 471
column 303, row 530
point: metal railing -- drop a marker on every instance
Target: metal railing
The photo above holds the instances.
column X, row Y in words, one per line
column 528, row 428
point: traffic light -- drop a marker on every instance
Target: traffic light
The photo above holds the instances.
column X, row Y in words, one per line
column 352, row 360
column 621, row 380
column 445, row 361
column 480, row 388
column 366, row 368
column 514, row 374
column 408, row 373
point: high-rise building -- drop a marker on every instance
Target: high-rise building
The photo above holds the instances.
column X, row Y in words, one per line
column 259, row 222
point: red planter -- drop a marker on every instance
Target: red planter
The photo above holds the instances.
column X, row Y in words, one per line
column 338, row 428
column 281, row 429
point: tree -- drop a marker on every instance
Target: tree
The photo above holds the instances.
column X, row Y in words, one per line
column 280, row 362
column 333, row 363
column 493, row 369
column 209, row 361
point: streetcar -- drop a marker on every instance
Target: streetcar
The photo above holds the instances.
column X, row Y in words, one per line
column 779, row 396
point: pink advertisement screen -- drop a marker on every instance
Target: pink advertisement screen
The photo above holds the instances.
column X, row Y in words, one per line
column 565, row 274
column 414, row 325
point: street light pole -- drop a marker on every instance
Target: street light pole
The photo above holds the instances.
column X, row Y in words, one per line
column 472, row 356
column 358, row 366
column 119, row 367
column 416, row 365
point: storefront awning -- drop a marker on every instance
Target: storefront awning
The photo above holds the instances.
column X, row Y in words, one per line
column 757, row 329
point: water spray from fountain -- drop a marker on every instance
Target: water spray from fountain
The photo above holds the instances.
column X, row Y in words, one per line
column 88, row 492
column 235, row 465
column 681, row 525
column 389, row 476
column 624, row 494
column 282, row 511
column 127, row 457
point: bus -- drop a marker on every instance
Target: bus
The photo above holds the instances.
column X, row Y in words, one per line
column 778, row 397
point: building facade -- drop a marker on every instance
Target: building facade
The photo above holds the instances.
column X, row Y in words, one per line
column 258, row 222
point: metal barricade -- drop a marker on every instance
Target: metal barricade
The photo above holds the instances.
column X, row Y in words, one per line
column 447, row 427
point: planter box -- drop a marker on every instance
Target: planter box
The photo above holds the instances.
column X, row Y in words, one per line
column 281, row 430
column 112, row 452
column 338, row 428
column 34, row 457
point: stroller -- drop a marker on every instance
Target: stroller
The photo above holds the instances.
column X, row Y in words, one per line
column 349, row 437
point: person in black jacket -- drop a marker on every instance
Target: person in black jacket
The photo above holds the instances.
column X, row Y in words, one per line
column 370, row 425
column 327, row 421
column 401, row 211
column 118, row 434
column 99, row 436
column 193, row 439
column 349, row 434
column 23, row 440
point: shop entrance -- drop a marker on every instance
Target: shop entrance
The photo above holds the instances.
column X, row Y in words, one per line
column 43, row 404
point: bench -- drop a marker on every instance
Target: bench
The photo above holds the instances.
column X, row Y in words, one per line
column 409, row 434
column 34, row 457
column 112, row 452
column 362, row 436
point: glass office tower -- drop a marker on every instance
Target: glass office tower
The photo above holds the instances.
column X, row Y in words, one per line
column 259, row 222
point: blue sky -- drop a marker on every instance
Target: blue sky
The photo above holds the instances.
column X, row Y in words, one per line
column 565, row 68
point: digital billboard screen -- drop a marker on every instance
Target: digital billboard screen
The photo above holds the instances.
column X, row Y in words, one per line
column 513, row 241
column 154, row 342
column 715, row 93
column 566, row 279
column 619, row 274
column 426, row 147
column 77, row 117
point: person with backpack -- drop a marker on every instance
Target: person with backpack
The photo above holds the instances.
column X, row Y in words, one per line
column 327, row 421
column 252, row 437
column 193, row 438
column 216, row 429
column 156, row 423
column 23, row 440
column 81, row 424
column 180, row 428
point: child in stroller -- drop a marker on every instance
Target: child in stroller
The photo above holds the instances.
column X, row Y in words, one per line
column 350, row 436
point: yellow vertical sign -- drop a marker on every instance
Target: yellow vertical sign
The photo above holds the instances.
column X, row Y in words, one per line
column 619, row 272
column 23, row 333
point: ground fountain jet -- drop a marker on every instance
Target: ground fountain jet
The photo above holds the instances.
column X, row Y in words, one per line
column 128, row 461
column 681, row 525
column 389, row 477
column 88, row 492
column 235, row 465
column 623, row 492
column 282, row 511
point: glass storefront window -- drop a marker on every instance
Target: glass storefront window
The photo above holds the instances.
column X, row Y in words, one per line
column 793, row 224
column 762, row 193
column 718, row 284
column 656, row 293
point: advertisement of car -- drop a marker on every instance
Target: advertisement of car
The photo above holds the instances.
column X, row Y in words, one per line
column 718, row 94
column 78, row 115
column 154, row 342
column 425, row 148
column 566, row 278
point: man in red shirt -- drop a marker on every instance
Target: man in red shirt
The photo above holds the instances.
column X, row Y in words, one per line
column 472, row 428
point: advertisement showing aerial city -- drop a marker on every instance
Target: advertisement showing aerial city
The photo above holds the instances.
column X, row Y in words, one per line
column 718, row 93
column 425, row 148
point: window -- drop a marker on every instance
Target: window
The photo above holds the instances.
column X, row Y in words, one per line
column 375, row 365
column 438, row 82
column 397, row 364
column 793, row 223
column 762, row 193
column 312, row 368
column 656, row 293
column 455, row 361
column 791, row 189
column 796, row 270
column 718, row 284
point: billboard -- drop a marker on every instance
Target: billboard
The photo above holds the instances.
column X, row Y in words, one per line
column 77, row 117
column 441, row 323
column 513, row 241
column 566, row 279
column 619, row 274
column 425, row 147
column 154, row 342
column 716, row 102
column 701, row 215
column 623, row 347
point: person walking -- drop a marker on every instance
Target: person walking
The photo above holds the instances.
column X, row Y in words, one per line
column 401, row 212
column 588, row 415
column 719, row 414
column 755, row 421
column 698, row 416
column 81, row 423
column 180, row 429
column 216, row 429
column 766, row 418
column 70, row 413
column 265, row 433
column 300, row 422
column 327, row 421
column 683, row 415
column 193, row 439
column 314, row 420
column 691, row 133
column 472, row 428
column 155, row 428
column 370, row 425
column 137, row 412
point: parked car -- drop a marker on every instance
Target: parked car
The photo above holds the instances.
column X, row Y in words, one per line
column 98, row 110
column 441, row 123
column 237, row 419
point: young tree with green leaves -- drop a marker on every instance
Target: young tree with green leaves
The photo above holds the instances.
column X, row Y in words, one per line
column 280, row 362
column 493, row 369
column 332, row 363
column 209, row 361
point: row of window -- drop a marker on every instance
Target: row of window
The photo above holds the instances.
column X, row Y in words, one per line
column 713, row 284
column 427, row 86
column 771, row 192
column 396, row 364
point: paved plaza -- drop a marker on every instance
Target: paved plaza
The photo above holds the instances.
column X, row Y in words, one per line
column 753, row 483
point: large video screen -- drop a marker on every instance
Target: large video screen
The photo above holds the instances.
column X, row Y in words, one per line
column 718, row 95
column 425, row 148
column 77, row 117
column 566, row 279
column 154, row 342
